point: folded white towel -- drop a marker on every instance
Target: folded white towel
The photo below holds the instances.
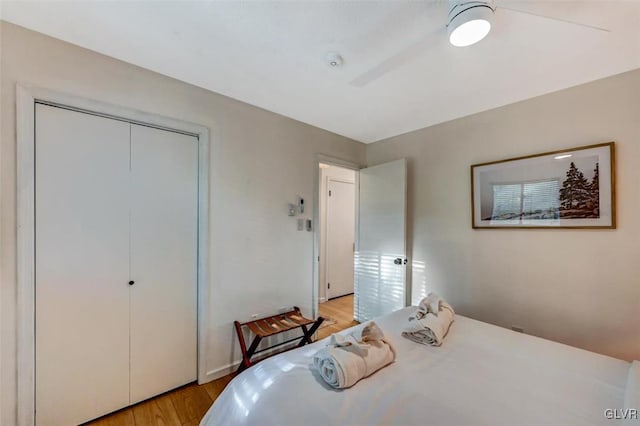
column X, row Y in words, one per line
column 430, row 329
column 347, row 359
column 431, row 303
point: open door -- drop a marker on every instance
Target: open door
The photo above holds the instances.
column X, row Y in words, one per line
column 380, row 259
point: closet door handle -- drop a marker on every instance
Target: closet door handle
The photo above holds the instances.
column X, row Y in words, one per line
column 132, row 282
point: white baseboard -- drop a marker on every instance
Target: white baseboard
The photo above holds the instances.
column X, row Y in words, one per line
column 231, row 368
column 322, row 300
column 221, row 371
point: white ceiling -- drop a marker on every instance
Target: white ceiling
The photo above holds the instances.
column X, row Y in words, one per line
column 271, row 54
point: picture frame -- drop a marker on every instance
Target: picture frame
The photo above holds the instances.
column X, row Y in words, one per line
column 570, row 188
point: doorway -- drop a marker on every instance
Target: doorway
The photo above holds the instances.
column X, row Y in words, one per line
column 337, row 222
column 372, row 262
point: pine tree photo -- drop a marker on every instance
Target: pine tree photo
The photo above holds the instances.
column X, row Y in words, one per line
column 579, row 198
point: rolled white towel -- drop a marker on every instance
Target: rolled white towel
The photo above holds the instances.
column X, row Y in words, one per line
column 430, row 329
column 347, row 359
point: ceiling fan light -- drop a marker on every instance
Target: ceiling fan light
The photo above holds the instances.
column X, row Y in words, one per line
column 469, row 26
column 469, row 33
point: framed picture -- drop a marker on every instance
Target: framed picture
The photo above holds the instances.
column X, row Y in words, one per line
column 572, row 188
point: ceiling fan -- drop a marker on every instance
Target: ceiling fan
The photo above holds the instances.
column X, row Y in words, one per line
column 468, row 23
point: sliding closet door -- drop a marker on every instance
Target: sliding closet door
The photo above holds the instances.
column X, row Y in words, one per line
column 164, row 170
column 82, row 258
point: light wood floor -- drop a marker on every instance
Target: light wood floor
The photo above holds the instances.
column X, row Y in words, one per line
column 181, row 407
column 187, row 405
column 340, row 310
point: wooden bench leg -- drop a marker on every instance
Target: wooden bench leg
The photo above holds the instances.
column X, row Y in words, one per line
column 246, row 354
column 306, row 338
column 246, row 357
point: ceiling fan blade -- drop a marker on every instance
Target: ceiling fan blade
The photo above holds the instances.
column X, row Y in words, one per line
column 566, row 21
column 398, row 21
column 392, row 63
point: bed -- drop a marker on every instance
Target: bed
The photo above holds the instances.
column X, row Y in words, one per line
column 481, row 375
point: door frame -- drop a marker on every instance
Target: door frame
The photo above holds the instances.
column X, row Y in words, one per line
column 26, row 98
column 333, row 161
column 326, row 228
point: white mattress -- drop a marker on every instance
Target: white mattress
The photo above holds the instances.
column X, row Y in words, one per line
column 481, row 375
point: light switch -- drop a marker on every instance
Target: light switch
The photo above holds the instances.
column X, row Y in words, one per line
column 300, row 224
column 309, row 227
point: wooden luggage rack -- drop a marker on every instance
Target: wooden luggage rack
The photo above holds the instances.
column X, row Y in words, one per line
column 270, row 326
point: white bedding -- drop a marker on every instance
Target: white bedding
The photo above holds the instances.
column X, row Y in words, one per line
column 481, row 375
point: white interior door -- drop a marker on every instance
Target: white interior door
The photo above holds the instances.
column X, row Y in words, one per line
column 380, row 260
column 82, row 258
column 341, row 217
column 164, row 172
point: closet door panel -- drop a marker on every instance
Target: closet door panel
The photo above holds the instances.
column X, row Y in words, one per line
column 164, row 170
column 82, row 258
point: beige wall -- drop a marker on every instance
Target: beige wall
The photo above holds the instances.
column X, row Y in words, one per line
column 261, row 162
column 580, row 287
